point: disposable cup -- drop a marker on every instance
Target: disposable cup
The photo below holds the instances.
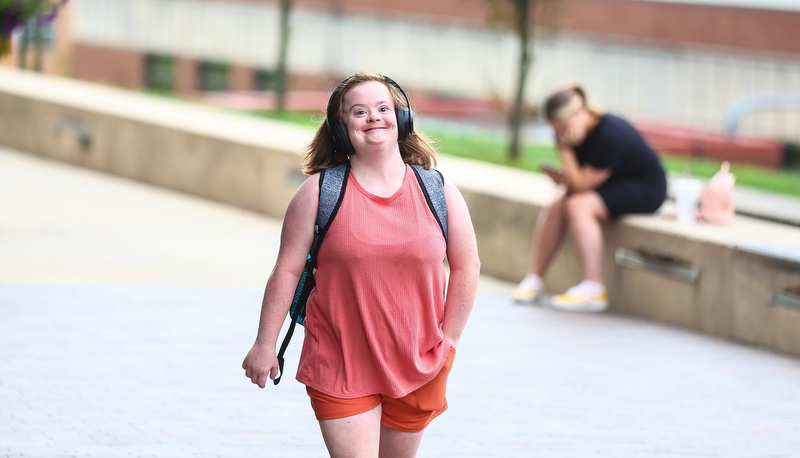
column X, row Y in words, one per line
column 687, row 191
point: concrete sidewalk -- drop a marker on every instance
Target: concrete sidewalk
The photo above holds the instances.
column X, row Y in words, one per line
column 125, row 312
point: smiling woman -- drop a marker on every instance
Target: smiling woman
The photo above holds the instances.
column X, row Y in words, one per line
column 331, row 145
column 383, row 320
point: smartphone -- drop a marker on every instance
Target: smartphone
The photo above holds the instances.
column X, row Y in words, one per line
column 549, row 168
column 555, row 174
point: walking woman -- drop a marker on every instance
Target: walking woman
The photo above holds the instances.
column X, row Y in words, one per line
column 384, row 321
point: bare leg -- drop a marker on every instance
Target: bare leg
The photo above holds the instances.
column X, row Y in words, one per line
column 551, row 225
column 353, row 437
column 586, row 211
column 399, row 444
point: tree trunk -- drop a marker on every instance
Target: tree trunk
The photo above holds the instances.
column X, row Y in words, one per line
column 524, row 26
column 281, row 71
column 38, row 45
column 24, row 41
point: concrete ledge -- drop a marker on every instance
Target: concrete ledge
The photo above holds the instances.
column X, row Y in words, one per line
column 699, row 276
column 239, row 160
column 692, row 274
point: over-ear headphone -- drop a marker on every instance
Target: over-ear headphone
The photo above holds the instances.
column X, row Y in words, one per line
column 338, row 131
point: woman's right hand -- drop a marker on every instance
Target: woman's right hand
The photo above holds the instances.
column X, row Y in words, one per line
column 556, row 175
column 261, row 362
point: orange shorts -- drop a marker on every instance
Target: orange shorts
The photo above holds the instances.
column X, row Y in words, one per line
column 411, row 413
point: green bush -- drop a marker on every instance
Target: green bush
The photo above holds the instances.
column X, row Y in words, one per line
column 493, row 148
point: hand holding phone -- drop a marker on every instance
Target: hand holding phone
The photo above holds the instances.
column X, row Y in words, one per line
column 554, row 173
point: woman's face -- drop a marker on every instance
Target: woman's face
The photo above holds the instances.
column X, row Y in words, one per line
column 369, row 115
column 572, row 131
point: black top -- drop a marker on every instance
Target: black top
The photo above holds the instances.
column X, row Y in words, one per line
column 615, row 144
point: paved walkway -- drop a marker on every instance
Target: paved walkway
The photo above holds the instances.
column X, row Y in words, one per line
column 125, row 312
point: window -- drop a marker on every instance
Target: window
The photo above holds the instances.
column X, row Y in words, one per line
column 212, row 76
column 264, row 80
column 159, row 70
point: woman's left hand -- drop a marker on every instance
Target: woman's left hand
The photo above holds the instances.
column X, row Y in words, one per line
column 572, row 137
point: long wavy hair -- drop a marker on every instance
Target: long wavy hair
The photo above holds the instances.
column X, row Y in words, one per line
column 417, row 149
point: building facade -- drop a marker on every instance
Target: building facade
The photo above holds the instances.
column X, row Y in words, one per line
column 676, row 63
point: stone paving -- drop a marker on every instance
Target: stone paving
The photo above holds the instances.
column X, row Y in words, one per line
column 125, row 312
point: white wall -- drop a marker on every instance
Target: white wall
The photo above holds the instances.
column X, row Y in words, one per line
column 681, row 86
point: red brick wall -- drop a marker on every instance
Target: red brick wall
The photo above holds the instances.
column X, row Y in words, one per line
column 671, row 24
column 240, row 78
column 309, row 83
column 469, row 10
column 185, row 76
column 127, row 69
column 106, row 65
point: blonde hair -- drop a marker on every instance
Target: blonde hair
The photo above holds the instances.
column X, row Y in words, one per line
column 563, row 103
column 320, row 154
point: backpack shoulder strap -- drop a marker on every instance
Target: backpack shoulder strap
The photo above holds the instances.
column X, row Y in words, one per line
column 332, row 185
column 432, row 183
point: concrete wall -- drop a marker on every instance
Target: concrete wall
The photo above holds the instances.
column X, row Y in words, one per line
column 759, row 317
column 718, row 280
column 234, row 159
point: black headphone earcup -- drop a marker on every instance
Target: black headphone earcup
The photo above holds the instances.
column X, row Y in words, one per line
column 405, row 123
column 341, row 140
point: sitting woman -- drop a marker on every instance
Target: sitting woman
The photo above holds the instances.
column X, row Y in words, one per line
column 608, row 170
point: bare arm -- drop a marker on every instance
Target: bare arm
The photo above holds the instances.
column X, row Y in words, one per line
column 462, row 256
column 297, row 235
column 581, row 178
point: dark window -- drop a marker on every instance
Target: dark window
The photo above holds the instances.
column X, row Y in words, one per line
column 159, row 72
column 212, row 76
column 265, row 80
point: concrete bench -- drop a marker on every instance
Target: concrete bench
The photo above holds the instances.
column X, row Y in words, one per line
column 739, row 281
column 722, row 280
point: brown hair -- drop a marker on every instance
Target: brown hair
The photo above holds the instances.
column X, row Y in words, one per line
column 416, row 149
column 562, row 100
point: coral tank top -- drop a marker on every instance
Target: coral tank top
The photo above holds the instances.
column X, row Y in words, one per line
column 374, row 321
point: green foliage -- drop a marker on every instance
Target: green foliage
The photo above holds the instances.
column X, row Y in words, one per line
column 302, row 118
column 17, row 13
column 492, row 148
column 779, row 181
column 14, row 13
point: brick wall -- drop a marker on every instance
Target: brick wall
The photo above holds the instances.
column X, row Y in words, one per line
column 113, row 66
column 671, row 24
column 680, row 24
column 127, row 69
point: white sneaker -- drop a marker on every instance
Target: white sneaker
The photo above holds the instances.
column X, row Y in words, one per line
column 582, row 298
column 528, row 289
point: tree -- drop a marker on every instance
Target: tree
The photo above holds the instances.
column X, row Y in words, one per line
column 30, row 13
column 281, row 73
column 519, row 15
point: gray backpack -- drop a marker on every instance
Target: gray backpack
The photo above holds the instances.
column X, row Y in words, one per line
column 332, row 186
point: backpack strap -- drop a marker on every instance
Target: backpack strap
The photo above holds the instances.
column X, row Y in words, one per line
column 332, row 185
column 432, row 183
